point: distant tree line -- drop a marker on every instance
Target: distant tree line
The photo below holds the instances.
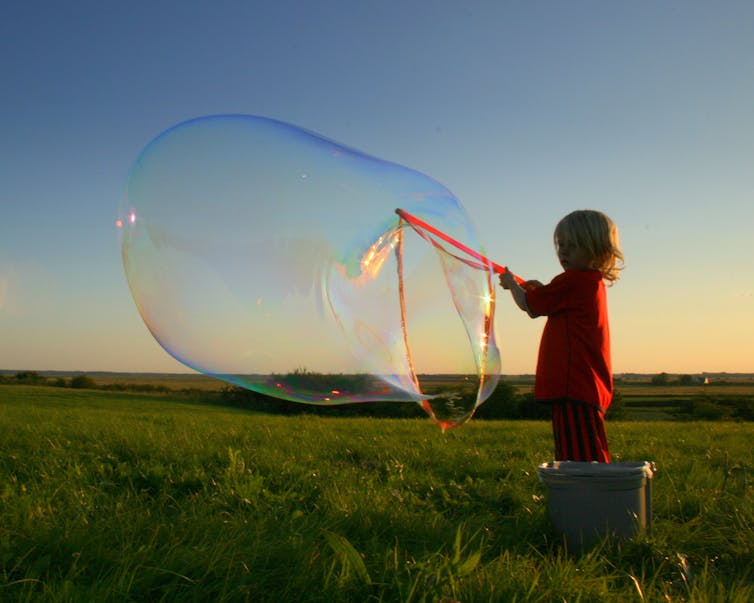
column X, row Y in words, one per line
column 666, row 379
column 77, row 382
column 717, row 408
column 504, row 403
column 34, row 378
column 685, row 379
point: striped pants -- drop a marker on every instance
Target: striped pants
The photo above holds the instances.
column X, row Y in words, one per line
column 579, row 431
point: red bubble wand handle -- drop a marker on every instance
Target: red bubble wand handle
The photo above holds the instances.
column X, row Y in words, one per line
column 421, row 227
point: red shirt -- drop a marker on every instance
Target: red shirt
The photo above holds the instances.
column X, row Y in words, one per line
column 574, row 354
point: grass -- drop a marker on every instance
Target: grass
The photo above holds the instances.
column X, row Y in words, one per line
column 126, row 497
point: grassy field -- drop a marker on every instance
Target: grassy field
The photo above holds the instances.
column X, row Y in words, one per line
column 129, row 497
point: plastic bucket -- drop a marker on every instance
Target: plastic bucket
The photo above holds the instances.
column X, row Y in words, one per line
column 588, row 501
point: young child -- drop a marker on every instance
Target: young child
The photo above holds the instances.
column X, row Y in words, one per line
column 574, row 373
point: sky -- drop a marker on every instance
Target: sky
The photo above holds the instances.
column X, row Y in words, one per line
column 524, row 110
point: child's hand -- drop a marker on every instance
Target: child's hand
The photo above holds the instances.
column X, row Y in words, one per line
column 529, row 285
column 507, row 279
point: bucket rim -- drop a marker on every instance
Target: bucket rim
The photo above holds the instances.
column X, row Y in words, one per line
column 595, row 469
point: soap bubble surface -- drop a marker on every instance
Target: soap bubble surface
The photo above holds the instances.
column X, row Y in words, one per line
column 272, row 258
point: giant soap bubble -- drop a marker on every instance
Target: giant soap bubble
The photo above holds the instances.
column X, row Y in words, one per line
column 272, row 258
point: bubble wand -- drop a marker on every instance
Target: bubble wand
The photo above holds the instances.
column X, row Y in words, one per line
column 422, row 228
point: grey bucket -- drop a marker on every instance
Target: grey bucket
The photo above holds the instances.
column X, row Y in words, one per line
column 588, row 501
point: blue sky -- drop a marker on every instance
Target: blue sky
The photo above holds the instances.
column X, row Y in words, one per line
column 525, row 110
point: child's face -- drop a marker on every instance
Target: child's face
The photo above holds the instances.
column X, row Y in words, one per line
column 572, row 257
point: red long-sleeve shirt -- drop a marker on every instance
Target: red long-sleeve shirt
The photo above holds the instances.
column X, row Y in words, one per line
column 574, row 353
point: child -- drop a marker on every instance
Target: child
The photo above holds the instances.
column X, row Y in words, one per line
column 573, row 369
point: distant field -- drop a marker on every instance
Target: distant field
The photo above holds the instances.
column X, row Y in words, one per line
column 732, row 389
column 725, row 397
column 735, row 388
column 109, row 496
column 635, row 386
column 171, row 381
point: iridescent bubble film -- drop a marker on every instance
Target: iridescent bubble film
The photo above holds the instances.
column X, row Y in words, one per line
column 272, row 258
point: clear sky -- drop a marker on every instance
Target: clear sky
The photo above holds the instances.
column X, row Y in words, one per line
column 525, row 110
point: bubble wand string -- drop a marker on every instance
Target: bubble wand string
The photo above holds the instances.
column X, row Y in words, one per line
column 420, row 226
column 431, row 234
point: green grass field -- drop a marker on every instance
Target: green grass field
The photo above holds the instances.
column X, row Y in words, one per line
column 130, row 497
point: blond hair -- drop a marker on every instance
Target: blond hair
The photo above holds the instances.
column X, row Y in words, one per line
column 597, row 235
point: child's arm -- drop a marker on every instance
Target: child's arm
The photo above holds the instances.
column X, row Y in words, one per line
column 508, row 281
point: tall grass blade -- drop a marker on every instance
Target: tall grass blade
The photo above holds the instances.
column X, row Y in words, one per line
column 348, row 556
